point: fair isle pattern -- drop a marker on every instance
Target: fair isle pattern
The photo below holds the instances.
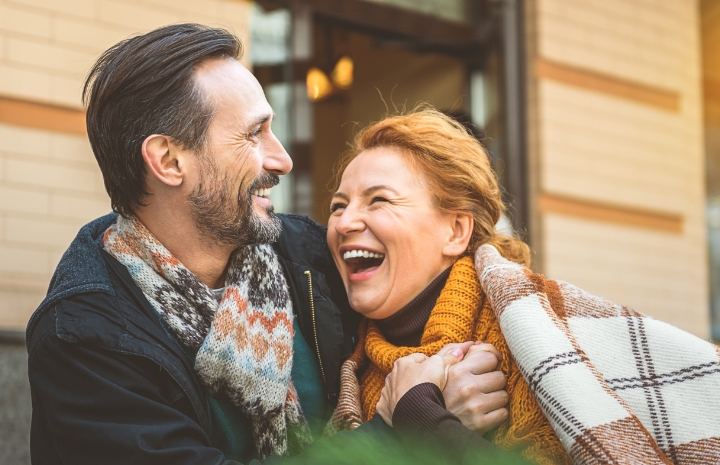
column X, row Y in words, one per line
column 243, row 344
column 616, row 385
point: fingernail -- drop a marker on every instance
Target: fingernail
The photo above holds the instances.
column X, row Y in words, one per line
column 457, row 353
column 478, row 342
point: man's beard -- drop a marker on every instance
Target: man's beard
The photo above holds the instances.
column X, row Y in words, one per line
column 227, row 217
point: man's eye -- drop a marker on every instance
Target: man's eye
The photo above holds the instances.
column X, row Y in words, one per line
column 378, row 199
column 255, row 133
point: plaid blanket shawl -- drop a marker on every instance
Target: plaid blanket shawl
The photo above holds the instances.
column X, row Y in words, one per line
column 616, row 385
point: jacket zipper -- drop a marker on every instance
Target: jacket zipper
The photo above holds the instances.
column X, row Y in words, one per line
column 312, row 313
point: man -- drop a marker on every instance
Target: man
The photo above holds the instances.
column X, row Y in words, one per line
column 174, row 332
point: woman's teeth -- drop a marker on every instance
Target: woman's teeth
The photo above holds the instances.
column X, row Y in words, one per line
column 361, row 254
column 262, row 192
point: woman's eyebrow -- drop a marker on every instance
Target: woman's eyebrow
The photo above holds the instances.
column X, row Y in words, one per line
column 366, row 192
column 373, row 189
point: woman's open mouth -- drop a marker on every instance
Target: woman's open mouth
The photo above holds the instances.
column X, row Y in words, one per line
column 360, row 261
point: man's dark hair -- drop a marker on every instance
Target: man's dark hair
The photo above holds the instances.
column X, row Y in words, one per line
column 145, row 85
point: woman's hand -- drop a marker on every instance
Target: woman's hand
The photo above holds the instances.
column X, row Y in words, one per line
column 475, row 389
column 414, row 369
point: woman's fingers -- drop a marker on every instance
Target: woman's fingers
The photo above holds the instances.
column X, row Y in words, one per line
column 411, row 370
column 476, row 363
column 485, row 347
column 383, row 407
column 464, row 346
column 476, row 395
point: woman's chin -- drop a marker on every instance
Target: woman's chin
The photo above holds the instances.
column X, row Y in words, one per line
column 369, row 290
column 367, row 306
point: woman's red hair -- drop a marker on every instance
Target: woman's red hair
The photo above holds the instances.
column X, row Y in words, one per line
column 453, row 164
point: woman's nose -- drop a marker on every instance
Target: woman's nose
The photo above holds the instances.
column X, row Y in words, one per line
column 349, row 222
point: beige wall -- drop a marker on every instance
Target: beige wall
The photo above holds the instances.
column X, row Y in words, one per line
column 49, row 182
column 590, row 142
column 623, row 132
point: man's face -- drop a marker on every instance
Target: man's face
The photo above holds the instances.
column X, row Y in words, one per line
column 240, row 162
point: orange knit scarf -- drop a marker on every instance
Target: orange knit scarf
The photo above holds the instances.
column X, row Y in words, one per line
column 462, row 314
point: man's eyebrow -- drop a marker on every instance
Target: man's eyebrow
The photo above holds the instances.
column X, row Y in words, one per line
column 263, row 119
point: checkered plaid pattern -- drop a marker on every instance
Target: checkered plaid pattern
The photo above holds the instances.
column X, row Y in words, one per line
column 616, row 385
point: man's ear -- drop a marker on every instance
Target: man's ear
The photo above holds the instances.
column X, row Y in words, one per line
column 462, row 228
column 163, row 159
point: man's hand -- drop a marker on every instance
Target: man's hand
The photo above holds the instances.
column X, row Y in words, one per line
column 416, row 369
column 474, row 391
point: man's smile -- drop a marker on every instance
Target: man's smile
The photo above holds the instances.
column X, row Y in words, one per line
column 261, row 196
column 262, row 192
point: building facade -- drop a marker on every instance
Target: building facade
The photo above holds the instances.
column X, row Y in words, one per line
column 616, row 155
column 602, row 118
column 611, row 130
column 50, row 184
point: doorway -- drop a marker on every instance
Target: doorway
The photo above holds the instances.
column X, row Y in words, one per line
column 330, row 68
column 387, row 78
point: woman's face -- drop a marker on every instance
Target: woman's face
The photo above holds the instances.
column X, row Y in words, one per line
column 387, row 238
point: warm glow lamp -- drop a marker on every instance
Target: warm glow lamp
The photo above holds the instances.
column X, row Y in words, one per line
column 342, row 75
column 318, row 85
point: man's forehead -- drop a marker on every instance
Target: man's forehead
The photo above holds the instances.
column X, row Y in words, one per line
column 230, row 85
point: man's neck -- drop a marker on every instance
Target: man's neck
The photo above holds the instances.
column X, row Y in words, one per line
column 179, row 234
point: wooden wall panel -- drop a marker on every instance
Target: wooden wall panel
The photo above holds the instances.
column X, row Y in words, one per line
column 42, row 116
column 661, row 98
column 600, row 211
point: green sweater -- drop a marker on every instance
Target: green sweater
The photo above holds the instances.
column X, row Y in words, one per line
column 231, row 428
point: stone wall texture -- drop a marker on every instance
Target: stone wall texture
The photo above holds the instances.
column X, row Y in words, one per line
column 15, row 408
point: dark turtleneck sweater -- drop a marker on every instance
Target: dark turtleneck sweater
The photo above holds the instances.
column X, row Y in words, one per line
column 405, row 328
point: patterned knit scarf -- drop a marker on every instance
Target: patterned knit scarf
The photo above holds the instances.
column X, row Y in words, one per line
column 243, row 344
column 460, row 314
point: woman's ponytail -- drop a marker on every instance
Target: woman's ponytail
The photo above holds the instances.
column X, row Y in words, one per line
column 512, row 249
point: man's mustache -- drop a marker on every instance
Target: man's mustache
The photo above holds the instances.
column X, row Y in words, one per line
column 263, row 181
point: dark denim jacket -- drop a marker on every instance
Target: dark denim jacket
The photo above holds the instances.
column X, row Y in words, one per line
column 96, row 334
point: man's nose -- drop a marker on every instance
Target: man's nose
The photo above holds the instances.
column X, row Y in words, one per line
column 276, row 160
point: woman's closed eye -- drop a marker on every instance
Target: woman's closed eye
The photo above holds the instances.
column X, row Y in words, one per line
column 335, row 206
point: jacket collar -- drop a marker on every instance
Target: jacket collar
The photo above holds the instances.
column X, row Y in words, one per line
column 81, row 269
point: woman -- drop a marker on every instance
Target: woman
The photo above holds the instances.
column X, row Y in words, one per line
column 416, row 199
